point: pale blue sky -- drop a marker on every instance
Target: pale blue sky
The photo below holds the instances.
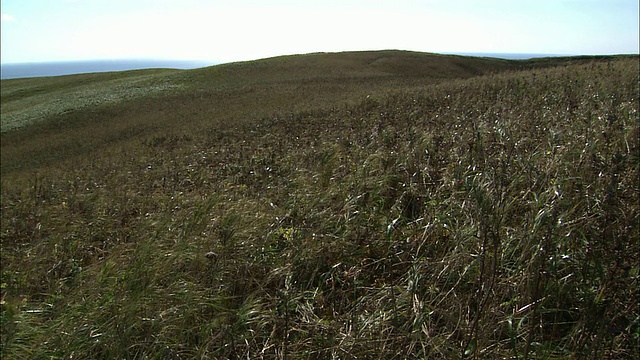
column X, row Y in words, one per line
column 232, row 30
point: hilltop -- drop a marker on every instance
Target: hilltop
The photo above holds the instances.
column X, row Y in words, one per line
column 108, row 109
column 367, row 204
column 134, row 103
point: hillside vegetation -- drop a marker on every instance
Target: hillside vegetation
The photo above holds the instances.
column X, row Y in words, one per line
column 355, row 205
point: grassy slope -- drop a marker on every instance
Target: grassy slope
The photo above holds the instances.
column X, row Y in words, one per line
column 31, row 100
column 496, row 215
column 202, row 97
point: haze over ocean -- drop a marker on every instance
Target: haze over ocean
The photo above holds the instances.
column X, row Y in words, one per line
column 27, row 70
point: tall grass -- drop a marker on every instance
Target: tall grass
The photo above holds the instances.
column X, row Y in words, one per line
column 492, row 217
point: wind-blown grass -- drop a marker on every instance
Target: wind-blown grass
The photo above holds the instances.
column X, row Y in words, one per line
column 492, row 217
column 28, row 101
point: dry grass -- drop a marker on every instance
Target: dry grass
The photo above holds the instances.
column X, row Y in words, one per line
column 489, row 217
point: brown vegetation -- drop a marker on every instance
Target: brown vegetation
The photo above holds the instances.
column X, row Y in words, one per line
column 369, row 205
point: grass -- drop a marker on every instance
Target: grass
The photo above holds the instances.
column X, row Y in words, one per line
column 358, row 205
column 28, row 101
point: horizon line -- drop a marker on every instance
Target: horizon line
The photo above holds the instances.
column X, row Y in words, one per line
column 463, row 53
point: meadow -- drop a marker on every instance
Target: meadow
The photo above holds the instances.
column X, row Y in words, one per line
column 372, row 205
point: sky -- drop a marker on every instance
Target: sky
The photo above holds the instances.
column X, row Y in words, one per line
column 221, row 31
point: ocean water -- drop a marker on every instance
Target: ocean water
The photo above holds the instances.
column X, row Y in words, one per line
column 26, row 70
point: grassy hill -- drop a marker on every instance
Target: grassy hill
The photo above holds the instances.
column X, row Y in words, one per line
column 115, row 107
column 367, row 204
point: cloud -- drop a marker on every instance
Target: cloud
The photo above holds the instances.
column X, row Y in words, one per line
column 7, row 18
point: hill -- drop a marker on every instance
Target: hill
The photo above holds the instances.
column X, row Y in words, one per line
column 370, row 204
column 125, row 105
column 109, row 109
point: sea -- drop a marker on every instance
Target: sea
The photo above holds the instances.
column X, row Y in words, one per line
column 27, row 70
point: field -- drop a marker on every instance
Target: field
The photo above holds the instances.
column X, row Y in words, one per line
column 351, row 205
